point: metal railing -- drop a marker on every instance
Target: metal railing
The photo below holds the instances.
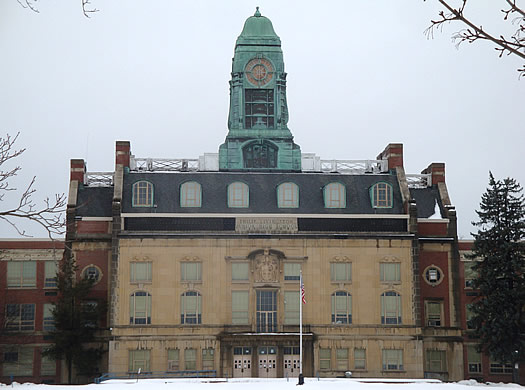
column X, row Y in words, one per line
column 354, row 166
column 164, row 164
column 98, row 179
column 422, row 180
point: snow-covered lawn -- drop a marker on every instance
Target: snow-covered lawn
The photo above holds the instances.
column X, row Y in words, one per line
column 265, row 384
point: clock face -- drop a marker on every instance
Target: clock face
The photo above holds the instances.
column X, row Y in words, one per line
column 259, row 71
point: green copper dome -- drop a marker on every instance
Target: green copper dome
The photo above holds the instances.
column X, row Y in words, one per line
column 258, row 30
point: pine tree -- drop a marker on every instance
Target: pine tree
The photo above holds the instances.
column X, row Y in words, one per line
column 498, row 313
column 76, row 322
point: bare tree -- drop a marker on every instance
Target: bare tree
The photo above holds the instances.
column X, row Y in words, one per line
column 515, row 44
column 87, row 9
column 50, row 216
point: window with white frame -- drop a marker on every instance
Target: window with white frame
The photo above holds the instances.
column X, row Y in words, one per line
column 139, row 359
column 341, row 308
column 435, row 360
column 173, row 359
column 191, row 308
column 381, row 195
column 190, row 194
column 292, row 271
column 50, row 274
column 334, row 196
column 288, row 195
column 140, row 272
column 390, row 272
column 240, row 271
column 392, row 360
column 140, row 308
column 434, row 313
column 341, row 272
column 48, row 319
column 191, row 271
column 238, row 195
column 500, row 368
column 20, row 317
column 473, row 360
column 240, row 307
column 390, row 308
column 21, row 274
column 291, row 307
column 359, row 358
column 18, row 361
column 142, row 194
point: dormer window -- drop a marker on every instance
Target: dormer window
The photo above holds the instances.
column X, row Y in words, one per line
column 142, row 194
column 238, row 195
column 381, row 195
column 288, row 195
column 334, row 196
column 190, row 194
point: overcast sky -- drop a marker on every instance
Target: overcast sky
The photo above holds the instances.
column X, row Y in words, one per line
column 361, row 74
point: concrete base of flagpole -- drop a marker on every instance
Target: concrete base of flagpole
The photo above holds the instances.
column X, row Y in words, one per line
column 301, row 379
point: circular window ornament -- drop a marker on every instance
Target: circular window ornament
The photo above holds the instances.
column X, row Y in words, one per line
column 92, row 272
column 433, row 275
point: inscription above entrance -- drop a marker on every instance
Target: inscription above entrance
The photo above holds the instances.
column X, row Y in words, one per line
column 265, row 225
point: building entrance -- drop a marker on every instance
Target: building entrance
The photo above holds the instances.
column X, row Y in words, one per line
column 291, row 362
column 242, row 362
column 267, row 362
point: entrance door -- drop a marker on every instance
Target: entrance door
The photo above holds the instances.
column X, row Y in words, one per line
column 291, row 362
column 242, row 362
column 267, row 362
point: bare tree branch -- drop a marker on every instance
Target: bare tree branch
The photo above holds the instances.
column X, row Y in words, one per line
column 514, row 45
column 86, row 6
column 86, row 10
column 50, row 216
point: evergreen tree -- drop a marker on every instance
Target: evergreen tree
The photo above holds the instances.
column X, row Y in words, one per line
column 498, row 314
column 76, row 322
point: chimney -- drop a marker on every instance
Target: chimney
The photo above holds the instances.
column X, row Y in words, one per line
column 437, row 170
column 394, row 154
column 78, row 170
column 122, row 153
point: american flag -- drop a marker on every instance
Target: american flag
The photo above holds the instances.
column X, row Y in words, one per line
column 303, row 297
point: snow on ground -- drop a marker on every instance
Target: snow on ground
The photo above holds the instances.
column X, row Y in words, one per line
column 265, row 384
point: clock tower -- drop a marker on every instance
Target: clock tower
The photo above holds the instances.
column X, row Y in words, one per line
column 258, row 136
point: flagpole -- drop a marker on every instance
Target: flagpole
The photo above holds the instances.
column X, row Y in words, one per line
column 301, row 289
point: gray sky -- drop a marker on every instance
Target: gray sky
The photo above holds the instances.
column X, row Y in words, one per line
column 361, row 74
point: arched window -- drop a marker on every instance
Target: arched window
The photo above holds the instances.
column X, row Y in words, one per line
column 288, row 195
column 341, row 308
column 142, row 194
column 140, row 308
column 259, row 155
column 190, row 194
column 238, row 195
column 381, row 195
column 190, row 308
column 334, row 196
column 390, row 308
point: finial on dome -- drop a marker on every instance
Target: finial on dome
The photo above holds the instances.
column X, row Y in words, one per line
column 257, row 13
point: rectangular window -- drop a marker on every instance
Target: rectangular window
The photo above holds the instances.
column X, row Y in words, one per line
column 240, row 307
column 173, row 360
column 436, row 361
column 48, row 366
column 292, row 271
column 341, row 355
column 21, row 274
column 50, row 274
column 473, row 359
column 190, row 272
column 291, row 307
column 324, row 358
column 20, row 316
column 49, row 320
column 191, row 308
column 469, row 316
column 470, row 274
column 341, row 272
column 390, row 272
column 18, row 362
column 140, row 272
column 500, row 368
column 392, row 360
column 433, row 310
column 208, row 358
column 139, row 359
column 259, row 109
column 240, row 271
column 360, row 358
column 266, row 315
column 190, row 359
